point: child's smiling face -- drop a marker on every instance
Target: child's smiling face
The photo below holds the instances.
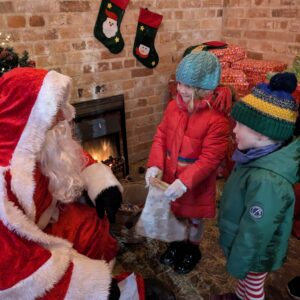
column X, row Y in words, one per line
column 185, row 91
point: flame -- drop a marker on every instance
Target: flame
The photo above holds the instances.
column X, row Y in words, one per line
column 101, row 149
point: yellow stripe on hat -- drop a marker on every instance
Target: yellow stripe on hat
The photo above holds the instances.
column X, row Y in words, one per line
column 270, row 109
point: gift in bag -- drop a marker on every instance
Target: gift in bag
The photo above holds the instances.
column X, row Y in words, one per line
column 157, row 220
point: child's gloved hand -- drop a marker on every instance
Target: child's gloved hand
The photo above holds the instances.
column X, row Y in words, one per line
column 175, row 190
column 152, row 172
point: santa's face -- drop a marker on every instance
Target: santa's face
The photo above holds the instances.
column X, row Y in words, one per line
column 144, row 50
column 110, row 27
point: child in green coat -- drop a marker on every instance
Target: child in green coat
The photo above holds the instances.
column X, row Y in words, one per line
column 256, row 209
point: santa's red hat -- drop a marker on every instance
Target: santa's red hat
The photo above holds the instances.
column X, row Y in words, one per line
column 29, row 101
column 111, row 15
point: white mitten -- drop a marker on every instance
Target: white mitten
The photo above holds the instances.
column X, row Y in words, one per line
column 175, row 190
column 152, row 172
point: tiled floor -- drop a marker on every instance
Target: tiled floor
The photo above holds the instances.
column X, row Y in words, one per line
column 209, row 276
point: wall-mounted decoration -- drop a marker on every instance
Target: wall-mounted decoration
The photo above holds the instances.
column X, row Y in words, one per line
column 143, row 48
column 107, row 27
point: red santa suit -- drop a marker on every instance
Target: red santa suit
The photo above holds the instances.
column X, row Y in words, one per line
column 49, row 250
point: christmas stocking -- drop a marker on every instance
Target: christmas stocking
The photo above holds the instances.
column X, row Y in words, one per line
column 107, row 27
column 143, row 48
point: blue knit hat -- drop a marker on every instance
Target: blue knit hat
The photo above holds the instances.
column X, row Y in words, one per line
column 199, row 70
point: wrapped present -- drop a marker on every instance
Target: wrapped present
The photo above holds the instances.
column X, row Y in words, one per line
column 256, row 70
column 259, row 66
column 237, row 79
column 230, row 54
column 225, row 53
column 206, row 46
column 225, row 64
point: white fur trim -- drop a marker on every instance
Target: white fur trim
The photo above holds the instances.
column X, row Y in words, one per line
column 14, row 219
column 54, row 92
column 98, row 177
column 48, row 274
column 42, row 280
column 95, row 274
column 90, row 279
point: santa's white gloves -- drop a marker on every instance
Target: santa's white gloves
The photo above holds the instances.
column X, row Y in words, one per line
column 175, row 190
column 153, row 172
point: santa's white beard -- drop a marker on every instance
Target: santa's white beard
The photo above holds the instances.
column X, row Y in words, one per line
column 109, row 30
column 62, row 161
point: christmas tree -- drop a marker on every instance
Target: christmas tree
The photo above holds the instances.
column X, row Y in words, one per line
column 9, row 59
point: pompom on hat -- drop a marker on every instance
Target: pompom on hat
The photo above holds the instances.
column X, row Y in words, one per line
column 270, row 109
column 199, row 70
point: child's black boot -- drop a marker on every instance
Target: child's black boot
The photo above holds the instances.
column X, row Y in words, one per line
column 174, row 251
column 189, row 260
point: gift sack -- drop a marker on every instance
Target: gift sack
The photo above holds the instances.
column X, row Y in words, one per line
column 157, row 220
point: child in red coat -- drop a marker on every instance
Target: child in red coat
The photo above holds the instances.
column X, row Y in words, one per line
column 188, row 147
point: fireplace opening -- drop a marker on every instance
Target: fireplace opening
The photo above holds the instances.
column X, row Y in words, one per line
column 101, row 128
column 103, row 148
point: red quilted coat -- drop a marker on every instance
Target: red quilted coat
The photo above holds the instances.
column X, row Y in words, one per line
column 191, row 147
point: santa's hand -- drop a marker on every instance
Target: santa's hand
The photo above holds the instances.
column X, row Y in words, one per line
column 109, row 202
column 114, row 291
column 154, row 172
column 175, row 190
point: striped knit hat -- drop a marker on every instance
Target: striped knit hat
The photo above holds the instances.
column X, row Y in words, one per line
column 199, row 70
column 270, row 109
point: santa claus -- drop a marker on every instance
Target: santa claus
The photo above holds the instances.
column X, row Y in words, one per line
column 52, row 247
column 110, row 25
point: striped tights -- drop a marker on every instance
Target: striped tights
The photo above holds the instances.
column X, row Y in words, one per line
column 252, row 287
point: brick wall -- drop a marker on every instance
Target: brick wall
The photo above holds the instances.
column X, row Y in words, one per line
column 268, row 29
column 59, row 35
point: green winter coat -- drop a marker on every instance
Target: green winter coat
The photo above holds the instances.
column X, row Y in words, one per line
column 256, row 211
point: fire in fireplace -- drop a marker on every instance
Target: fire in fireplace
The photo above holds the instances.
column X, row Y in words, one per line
column 100, row 126
column 101, row 149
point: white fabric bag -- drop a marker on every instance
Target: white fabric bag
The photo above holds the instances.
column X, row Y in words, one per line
column 128, row 288
column 157, row 220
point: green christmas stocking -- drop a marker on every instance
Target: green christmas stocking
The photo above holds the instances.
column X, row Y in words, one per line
column 107, row 27
column 143, row 48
